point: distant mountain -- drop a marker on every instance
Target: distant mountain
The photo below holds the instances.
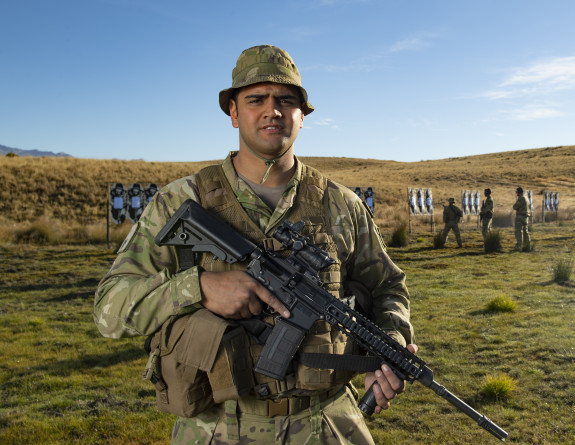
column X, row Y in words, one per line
column 5, row 150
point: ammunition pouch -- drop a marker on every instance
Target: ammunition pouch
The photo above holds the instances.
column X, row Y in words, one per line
column 183, row 358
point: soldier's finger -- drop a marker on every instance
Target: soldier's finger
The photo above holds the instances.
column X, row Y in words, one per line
column 386, row 386
column 254, row 306
column 380, row 399
column 267, row 297
column 395, row 383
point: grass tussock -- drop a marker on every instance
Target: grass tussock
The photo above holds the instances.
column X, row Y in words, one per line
column 502, row 303
column 399, row 236
column 49, row 231
column 41, row 231
column 562, row 270
column 498, row 386
column 438, row 241
column 493, row 242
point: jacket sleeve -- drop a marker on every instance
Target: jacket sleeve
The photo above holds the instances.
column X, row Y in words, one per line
column 387, row 282
column 364, row 259
column 142, row 288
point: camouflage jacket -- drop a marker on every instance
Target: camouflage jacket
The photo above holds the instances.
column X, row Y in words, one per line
column 521, row 206
column 487, row 209
column 143, row 288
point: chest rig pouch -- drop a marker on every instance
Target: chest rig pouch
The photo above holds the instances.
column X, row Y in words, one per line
column 186, row 359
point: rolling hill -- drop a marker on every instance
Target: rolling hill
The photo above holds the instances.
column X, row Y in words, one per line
column 73, row 189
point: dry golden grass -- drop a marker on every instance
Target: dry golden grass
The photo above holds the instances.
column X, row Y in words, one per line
column 74, row 191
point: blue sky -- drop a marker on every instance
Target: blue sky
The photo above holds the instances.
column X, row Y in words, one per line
column 393, row 80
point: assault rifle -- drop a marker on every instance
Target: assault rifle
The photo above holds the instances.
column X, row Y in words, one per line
column 295, row 282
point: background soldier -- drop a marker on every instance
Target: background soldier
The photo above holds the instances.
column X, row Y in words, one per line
column 486, row 214
column 451, row 217
column 522, row 213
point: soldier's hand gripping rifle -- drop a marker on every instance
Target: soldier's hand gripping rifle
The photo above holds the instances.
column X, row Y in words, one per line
column 295, row 282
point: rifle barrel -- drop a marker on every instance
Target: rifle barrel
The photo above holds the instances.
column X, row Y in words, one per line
column 481, row 420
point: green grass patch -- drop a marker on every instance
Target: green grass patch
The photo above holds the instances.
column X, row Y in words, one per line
column 61, row 382
column 497, row 386
column 502, row 303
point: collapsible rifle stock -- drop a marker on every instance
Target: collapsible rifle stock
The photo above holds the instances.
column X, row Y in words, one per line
column 294, row 280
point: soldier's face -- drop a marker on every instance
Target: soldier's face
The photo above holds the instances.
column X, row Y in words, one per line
column 268, row 117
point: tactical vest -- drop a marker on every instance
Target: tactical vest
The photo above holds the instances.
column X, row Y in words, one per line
column 451, row 215
column 310, row 206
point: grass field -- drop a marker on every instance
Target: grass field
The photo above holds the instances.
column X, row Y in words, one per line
column 62, row 383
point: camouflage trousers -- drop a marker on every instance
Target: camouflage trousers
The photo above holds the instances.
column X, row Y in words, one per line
column 336, row 421
column 521, row 233
column 455, row 227
column 485, row 227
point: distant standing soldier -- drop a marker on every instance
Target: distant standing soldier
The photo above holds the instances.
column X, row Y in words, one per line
column 486, row 214
column 521, row 208
column 451, row 216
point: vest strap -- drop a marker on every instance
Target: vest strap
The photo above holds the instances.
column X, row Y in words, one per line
column 315, row 418
column 232, row 423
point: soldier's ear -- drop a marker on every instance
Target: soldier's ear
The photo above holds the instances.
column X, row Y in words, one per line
column 234, row 113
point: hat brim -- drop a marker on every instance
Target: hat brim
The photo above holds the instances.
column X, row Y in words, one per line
column 227, row 94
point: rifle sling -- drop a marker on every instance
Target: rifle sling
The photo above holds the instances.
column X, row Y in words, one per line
column 358, row 363
column 187, row 258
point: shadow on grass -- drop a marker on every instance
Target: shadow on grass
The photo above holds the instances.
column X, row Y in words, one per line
column 567, row 284
column 434, row 254
column 88, row 362
column 72, row 296
column 92, row 282
column 101, row 361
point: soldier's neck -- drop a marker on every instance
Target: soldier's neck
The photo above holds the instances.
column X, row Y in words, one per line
column 255, row 169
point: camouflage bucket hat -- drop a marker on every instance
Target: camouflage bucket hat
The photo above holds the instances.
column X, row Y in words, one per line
column 451, row 200
column 264, row 63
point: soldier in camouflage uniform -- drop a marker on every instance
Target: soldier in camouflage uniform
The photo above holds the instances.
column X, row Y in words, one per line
column 486, row 214
column 144, row 287
column 451, row 216
column 522, row 213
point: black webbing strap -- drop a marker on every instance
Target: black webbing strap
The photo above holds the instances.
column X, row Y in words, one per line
column 359, row 363
column 187, row 257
